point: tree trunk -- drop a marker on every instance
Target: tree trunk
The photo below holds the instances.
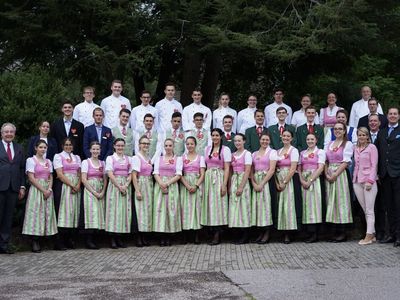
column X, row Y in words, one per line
column 166, row 70
column 138, row 83
column 190, row 74
column 213, row 63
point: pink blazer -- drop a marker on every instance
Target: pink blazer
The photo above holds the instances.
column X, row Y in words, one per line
column 365, row 164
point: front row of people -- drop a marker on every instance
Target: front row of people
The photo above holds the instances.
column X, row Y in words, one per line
column 240, row 190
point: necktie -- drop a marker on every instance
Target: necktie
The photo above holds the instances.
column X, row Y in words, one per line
column 98, row 128
column 9, row 154
column 148, row 134
column 174, row 134
column 228, row 136
column 123, row 130
column 373, row 137
column 310, row 129
column 391, row 128
column 281, row 129
column 199, row 134
column 259, row 131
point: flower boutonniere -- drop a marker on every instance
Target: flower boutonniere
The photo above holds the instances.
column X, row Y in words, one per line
column 200, row 135
column 335, row 149
column 46, row 165
column 286, row 155
column 180, row 136
column 101, row 169
column 215, row 154
column 108, row 135
column 171, row 161
column 311, row 155
column 73, row 130
column 186, row 161
column 233, row 158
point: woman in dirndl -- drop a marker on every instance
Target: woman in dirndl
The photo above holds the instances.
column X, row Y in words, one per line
column 264, row 163
column 338, row 199
column 95, row 181
column 239, row 211
column 214, row 209
column 167, row 208
column 192, row 188
column 286, row 166
column 68, row 169
column 143, row 183
column 40, row 216
column 311, row 165
column 118, row 196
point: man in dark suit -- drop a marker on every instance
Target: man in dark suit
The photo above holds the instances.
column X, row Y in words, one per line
column 373, row 109
column 275, row 131
column 99, row 133
column 12, row 182
column 227, row 139
column 68, row 127
column 253, row 134
column 388, row 144
column 309, row 127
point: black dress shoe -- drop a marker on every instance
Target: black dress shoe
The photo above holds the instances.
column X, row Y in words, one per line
column 69, row 243
column 114, row 244
column 120, row 243
column 387, row 240
column 312, row 239
column 36, row 247
column 340, row 240
column 91, row 245
column 59, row 246
column 380, row 236
column 263, row 242
column 6, row 251
column 396, row 243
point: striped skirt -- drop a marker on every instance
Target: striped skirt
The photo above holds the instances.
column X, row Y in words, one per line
column 191, row 203
column 312, row 200
column 118, row 208
column 261, row 208
column 94, row 210
column 239, row 206
column 287, row 219
column 144, row 207
column 68, row 214
column 214, row 208
column 40, row 215
column 167, row 208
column 338, row 199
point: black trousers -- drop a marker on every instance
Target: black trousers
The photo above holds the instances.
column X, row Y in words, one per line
column 380, row 212
column 391, row 194
column 8, row 201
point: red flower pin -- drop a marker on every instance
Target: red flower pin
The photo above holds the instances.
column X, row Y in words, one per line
column 215, row 154
column 286, row 155
column 180, row 135
column 101, row 169
column 46, row 165
column 233, row 158
column 335, row 149
column 311, row 155
column 186, row 161
column 171, row 161
column 73, row 130
column 200, row 135
column 108, row 134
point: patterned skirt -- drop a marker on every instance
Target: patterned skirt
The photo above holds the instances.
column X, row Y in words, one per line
column 261, row 208
column 338, row 198
column 167, row 208
column 144, row 207
column 312, row 200
column 118, row 208
column 40, row 215
column 239, row 206
column 214, row 208
column 68, row 214
column 191, row 204
column 94, row 210
column 287, row 219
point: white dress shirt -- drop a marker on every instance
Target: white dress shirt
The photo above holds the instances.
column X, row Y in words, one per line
column 270, row 114
column 190, row 110
column 67, row 125
column 83, row 113
column 112, row 106
column 137, row 116
column 359, row 110
column 299, row 118
column 220, row 113
column 245, row 119
column 165, row 108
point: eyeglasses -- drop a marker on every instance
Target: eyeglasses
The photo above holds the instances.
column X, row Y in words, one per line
column 145, row 143
column 338, row 129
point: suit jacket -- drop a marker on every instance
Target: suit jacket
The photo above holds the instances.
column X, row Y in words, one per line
column 252, row 139
column 276, row 141
column 12, row 174
column 363, row 122
column 106, row 143
column 51, row 146
column 301, row 136
column 388, row 152
column 229, row 143
column 365, row 164
column 57, row 131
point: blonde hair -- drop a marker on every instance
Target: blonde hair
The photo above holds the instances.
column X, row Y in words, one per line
column 366, row 132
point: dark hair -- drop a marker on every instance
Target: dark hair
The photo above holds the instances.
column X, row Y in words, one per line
column 198, row 114
column 176, row 114
column 278, row 89
column 259, row 111
column 311, row 107
column 266, row 134
column 124, row 110
column 40, row 142
column 396, row 108
column 118, row 140
column 242, row 135
column 67, row 101
column 145, row 92
column 42, row 122
column 148, row 116
column 373, row 115
column 291, row 133
column 98, row 109
column 345, row 139
column 191, row 138
column 197, row 90
column 221, row 133
column 227, row 117
column 281, row 108
column 343, row 111
column 116, row 81
column 89, row 88
column 373, row 99
column 94, row 143
column 170, row 84
column 68, row 139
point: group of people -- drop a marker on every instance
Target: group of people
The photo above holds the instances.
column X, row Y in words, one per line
column 167, row 169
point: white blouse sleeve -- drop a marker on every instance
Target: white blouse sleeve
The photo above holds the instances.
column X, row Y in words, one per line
column 57, row 161
column 321, row 156
column 136, row 163
column 30, row 165
column 178, row 166
column 78, row 159
column 348, row 152
column 50, row 165
column 273, row 155
column 84, row 166
column 227, row 154
column 109, row 163
column 157, row 165
column 248, row 160
column 327, row 138
column 294, row 155
column 202, row 162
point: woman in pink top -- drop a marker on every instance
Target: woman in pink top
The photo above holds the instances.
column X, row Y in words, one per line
column 364, row 180
column 328, row 114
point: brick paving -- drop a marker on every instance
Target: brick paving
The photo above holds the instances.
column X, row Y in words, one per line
column 201, row 258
